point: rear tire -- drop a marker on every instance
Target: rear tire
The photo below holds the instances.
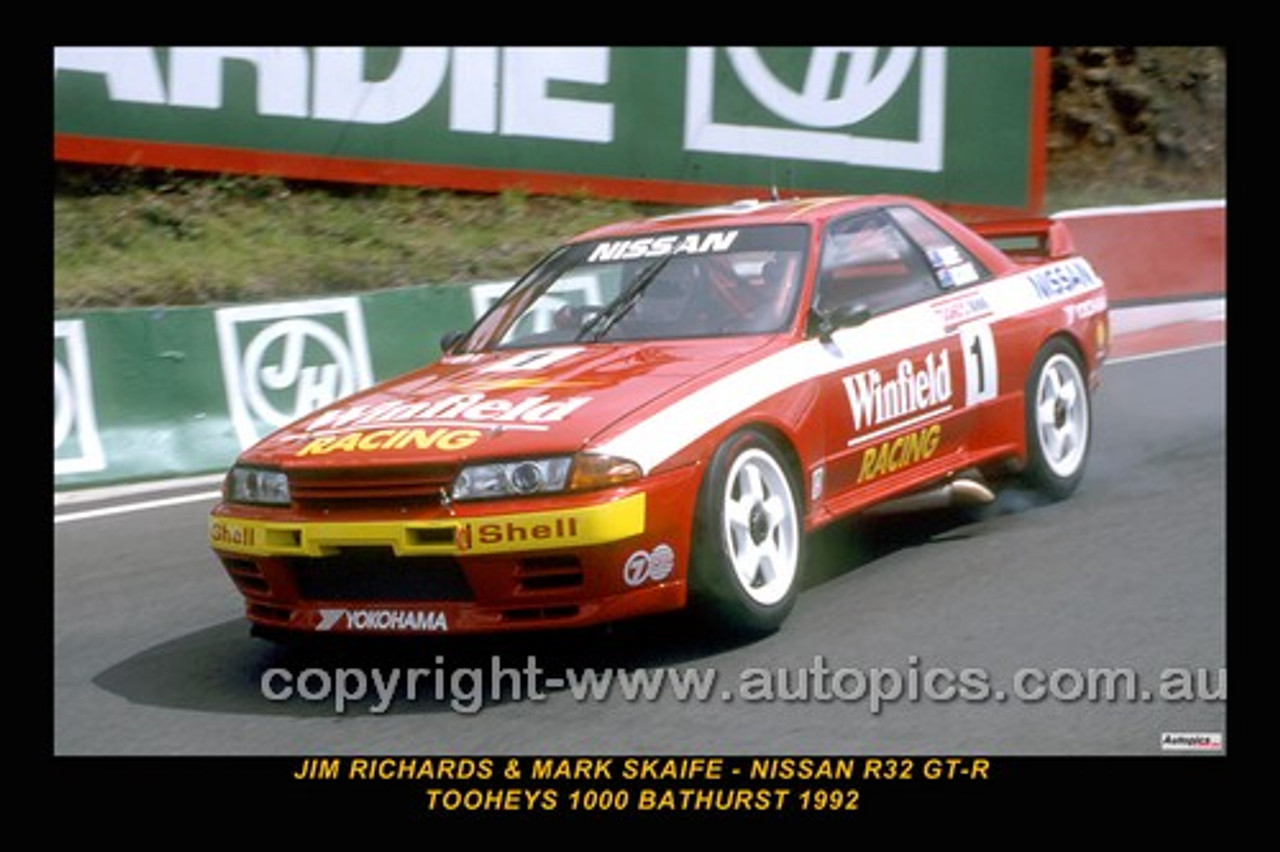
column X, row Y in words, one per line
column 1059, row 421
column 748, row 537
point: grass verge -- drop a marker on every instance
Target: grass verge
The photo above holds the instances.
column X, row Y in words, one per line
column 133, row 238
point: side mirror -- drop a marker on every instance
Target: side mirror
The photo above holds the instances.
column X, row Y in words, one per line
column 847, row 315
column 450, row 339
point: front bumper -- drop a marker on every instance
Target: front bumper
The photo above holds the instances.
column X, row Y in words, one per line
column 577, row 561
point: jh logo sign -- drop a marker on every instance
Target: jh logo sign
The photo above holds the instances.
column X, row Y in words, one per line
column 282, row 361
column 858, row 106
column 77, row 446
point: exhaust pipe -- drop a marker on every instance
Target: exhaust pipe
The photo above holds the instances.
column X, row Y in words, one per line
column 957, row 492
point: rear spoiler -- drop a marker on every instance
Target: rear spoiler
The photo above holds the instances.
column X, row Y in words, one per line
column 1027, row 240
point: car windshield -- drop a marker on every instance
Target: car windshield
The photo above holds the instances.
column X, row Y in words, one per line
column 681, row 284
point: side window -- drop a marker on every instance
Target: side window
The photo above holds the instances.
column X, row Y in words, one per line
column 950, row 262
column 867, row 259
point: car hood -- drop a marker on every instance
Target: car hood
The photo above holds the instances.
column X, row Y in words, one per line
column 503, row 403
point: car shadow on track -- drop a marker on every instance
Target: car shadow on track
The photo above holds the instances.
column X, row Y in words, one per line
column 843, row 547
column 223, row 669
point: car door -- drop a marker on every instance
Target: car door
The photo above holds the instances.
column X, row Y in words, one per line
column 898, row 384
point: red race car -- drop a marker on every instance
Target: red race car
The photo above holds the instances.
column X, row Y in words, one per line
column 658, row 413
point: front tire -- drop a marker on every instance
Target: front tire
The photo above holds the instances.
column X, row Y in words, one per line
column 748, row 537
column 1059, row 421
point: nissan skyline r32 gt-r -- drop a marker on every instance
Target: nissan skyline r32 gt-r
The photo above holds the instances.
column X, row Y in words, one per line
column 657, row 415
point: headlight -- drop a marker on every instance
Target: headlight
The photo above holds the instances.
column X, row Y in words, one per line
column 526, row 477
column 256, row 485
column 509, row 479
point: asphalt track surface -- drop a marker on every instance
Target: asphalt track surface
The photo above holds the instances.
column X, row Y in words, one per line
column 1018, row 629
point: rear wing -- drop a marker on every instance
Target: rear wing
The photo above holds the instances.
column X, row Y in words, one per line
column 1028, row 240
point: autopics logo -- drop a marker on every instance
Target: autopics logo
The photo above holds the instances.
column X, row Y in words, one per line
column 282, row 361
column 883, row 107
column 1202, row 742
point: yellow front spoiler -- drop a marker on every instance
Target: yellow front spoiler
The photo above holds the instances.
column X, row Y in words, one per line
column 509, row 533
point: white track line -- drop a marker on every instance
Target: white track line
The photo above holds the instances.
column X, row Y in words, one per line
column 1163, row 353
column 125, row 508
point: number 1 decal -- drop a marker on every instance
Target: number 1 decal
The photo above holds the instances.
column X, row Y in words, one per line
column 532, row 360
column 981, row 367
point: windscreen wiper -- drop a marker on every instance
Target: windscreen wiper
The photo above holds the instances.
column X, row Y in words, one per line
column 600, row 324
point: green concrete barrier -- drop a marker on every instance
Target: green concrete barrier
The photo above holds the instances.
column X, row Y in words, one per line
column 158, row 392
